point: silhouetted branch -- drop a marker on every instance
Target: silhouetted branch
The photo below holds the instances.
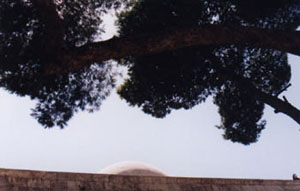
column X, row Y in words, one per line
column 284, row 89
column 279, row 105
column 147, row 44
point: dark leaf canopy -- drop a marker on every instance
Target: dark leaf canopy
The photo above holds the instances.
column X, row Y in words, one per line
column 170, row 80
column 240, row 114
column 36, row 36
column 24, row 55
column 186, row 77
column 282, row 14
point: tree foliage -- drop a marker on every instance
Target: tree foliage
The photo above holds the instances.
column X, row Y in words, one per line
column 36, row 35
column 184, row 78
column 24, row 55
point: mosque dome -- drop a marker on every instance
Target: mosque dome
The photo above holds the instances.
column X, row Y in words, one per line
column 132, row 168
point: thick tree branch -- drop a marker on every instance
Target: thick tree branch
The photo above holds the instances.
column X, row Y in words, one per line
column 279, row 105
column 146, row 44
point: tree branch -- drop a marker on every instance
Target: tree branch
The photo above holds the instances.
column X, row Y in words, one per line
column 279, row 105
column 284, row 89
column 146, row 44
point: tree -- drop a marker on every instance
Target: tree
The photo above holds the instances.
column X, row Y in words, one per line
column 178, row 53
column 242, row 79
column 33, row 36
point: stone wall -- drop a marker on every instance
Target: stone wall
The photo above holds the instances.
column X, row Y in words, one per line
column 24, row 180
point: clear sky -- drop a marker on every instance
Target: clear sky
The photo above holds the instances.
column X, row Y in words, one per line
column 185, row 143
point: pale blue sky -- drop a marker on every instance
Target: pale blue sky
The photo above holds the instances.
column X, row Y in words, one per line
column 185, row 143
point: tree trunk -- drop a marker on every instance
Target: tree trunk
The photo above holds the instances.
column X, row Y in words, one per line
column 147, row 44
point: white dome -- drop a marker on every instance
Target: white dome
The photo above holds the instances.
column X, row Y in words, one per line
column 132, row 168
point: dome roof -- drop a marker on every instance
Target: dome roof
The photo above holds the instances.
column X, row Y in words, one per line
column 132, row 168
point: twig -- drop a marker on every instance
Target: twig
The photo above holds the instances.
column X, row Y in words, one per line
column 284, row 89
